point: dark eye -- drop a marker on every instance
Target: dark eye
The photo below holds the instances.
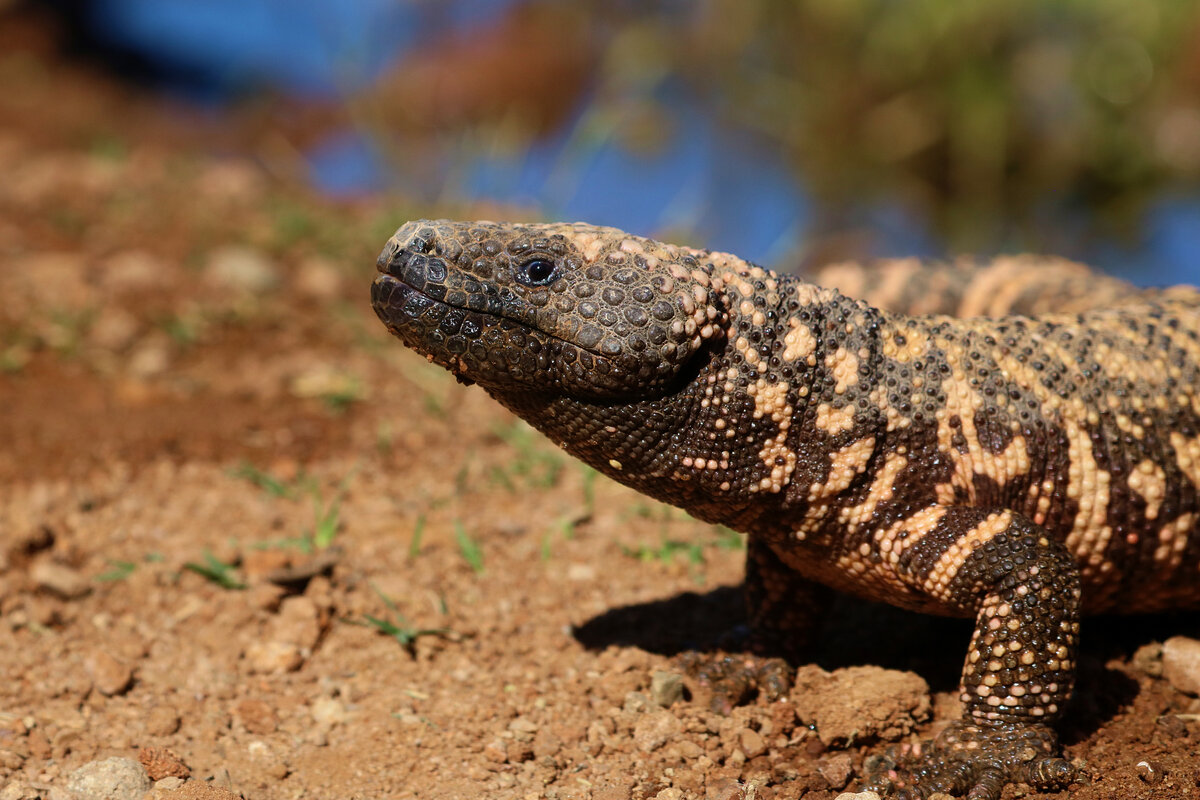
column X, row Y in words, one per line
column 537, row 272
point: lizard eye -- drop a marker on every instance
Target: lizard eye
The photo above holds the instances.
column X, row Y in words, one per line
column 537, row 272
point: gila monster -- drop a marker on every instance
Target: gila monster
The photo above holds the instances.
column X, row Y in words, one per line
column 1017, row 468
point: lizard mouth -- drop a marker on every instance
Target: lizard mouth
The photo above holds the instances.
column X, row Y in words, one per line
column 486, row 345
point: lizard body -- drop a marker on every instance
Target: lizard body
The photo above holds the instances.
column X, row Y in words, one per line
column 1015, row 469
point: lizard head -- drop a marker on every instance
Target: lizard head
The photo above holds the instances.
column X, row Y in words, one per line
column 575, row 309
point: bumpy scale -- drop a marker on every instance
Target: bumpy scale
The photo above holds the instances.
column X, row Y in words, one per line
column 1015, row 469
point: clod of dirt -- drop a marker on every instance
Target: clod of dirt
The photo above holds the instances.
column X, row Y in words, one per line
column 59, row 579
column 199, row 790
column 162, row 762
column 110, row 676
column 837, row 770
column 654, row 730
column 293, row 635
column 110, row 779
column 257, row 717
column 1181, row 663
column 19, row 790
column 859, row 704
column 162, row 721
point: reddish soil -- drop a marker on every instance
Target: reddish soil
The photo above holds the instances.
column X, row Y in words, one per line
column 238, row 522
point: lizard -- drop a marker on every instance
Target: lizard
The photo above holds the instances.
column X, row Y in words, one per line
column 1018, row 470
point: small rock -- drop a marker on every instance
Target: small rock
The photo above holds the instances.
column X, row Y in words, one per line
column 495, row 751
column 241, row 269
column 654, row 730
column 162, row 721
column 1181, row 663
column 267, row 761
column 837, row 770
column 581, row 572
column 518, row 752
column 635, row 703
column 546, row 744
column 328, row 712
column 110, row 675
column 666, row 688
column 523, row 728
column 857, row 796
column 1148, row 659
column 59, row 579
column 751, row 742
column 258, row 717
column 725, row 788
column 162, row 762
column 1150, row 772
column 272, row 657
column 299, row 623
column 18, row 790
column 670, row 793
column 110, row 779
column 150, row 356
column 168, row 784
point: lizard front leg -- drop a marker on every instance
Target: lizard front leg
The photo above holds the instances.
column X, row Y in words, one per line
column 1024, row 590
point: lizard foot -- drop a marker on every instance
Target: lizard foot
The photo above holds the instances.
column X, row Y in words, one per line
column 972, row 761
column 735, row 680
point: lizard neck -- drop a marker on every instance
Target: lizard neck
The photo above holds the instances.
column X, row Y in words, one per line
column 739, row 440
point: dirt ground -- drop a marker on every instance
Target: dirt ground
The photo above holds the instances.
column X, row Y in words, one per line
column 250, row 540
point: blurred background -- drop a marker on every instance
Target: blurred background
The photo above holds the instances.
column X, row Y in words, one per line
column 791, row 132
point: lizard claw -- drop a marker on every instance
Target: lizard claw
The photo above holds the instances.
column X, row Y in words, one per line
column 972, row 761
column 735, row 680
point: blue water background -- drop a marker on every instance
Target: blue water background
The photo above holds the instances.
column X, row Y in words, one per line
column 717, row 183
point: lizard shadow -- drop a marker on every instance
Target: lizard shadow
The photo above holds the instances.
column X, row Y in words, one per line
column 856, row 632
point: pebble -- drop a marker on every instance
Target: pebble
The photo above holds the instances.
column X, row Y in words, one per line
column 59, row 579
column 1147, row 659
column 666, row 688
column 837, row 770
column 751, row 742
column 110, row 779
column 1181, row 663
column 271, row 657
column 1150, row 772
column 857, row 796
column 328, row 712
column 110, row 676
